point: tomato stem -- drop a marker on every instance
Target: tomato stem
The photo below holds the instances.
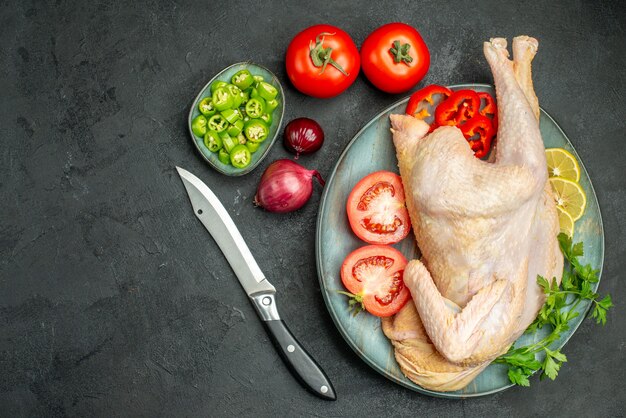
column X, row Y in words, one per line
column 400, row 53
column 355, row 302
column 321, row 56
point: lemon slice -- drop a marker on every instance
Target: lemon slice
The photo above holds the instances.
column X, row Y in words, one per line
column 566, row 223
column 562, row 164
column 569, row 196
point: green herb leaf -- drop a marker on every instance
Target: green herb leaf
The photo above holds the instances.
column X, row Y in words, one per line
column 600, row 308
column 544, row 284
column 550, row 368
column 558, row 310
column 518, row 377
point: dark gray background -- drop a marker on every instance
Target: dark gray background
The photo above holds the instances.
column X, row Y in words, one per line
column 113, row 298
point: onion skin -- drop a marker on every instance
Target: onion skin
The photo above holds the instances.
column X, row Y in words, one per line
column 285, row 186
column 303, row 136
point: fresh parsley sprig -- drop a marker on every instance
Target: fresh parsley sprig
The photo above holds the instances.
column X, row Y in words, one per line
column 558, row 310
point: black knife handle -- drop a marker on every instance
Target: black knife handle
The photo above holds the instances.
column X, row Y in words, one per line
column 300, row 363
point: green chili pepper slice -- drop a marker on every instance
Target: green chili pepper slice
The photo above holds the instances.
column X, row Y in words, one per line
column 217, row 84
column 213, row 141
column 258, row 79
column 267, row 91
column 242, row 79
column 235, row 129
column 245, row 96
column 206, row 107
column 240, row 156
column 224, row 156
column 228, row 141
column 231, row 115
column 222, row 98
column 256, row 130
column 255, row 107
column 237, row 95
column 253, row 92
column 198, row 125
column 267, row 118
column 241, row 138
column 217, row 123
column 253, row 146
column 270, row 105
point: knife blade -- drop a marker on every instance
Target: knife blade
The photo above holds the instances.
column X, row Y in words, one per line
column 212, row 214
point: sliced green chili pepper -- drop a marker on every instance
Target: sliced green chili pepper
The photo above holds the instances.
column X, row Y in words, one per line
column 228, row 141
column 236, row 128
column 231, row 115
column 241, row 138
column 213, row 141
column 198, row 125
column 242, row 99
column 217, row 123
column 222, row 99
column 255, row 107
column 253, row 92
column 253, row 146
column 242, row 79
column 240, row 156
column 206, row 107
column 256, row 130
column 224, row 156
column 270, row 105
column 267, row 118
column 216, row 84
column 245, row 96
column 257, row 79
column 267, row 91
column 236, row 93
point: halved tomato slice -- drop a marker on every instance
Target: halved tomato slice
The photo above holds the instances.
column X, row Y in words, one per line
column 376, row 209
column 373, row 276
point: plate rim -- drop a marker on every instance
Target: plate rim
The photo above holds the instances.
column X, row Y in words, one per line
column 329, row 306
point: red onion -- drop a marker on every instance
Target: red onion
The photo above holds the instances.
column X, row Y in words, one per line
column 285, row 186
column 303, row 136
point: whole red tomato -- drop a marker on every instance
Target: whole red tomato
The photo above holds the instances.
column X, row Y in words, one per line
column 395, row 57
column 322, row 61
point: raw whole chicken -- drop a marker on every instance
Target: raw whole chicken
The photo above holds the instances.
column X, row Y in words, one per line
column 485, row 231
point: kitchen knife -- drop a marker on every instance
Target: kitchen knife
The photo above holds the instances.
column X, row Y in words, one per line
column 210, row 211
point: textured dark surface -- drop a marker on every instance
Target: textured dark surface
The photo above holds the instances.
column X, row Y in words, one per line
column 113, row 298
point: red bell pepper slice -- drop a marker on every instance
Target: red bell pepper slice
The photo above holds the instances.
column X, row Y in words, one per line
column 457, row 109
column 490, row 104
column 483, row 127
column 490, row 108
column 425, row 95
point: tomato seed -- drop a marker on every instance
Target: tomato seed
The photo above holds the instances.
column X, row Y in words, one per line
column 381, row 228
column 373, row 192
column 397, row 284
column 361, row 267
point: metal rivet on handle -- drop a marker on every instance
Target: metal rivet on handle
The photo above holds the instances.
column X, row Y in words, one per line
column 267, row 301
column 291, row 348
column 324, row 389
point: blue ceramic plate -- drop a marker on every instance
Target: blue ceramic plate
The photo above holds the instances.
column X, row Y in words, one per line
column 277, row 116
column 371, row 150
